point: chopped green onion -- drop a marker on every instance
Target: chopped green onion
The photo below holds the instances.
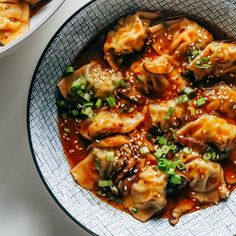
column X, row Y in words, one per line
column 169, row 113
column 64, row 115
column 173, row 148
column 210, row 155
column 87, row 97
column 88, row 104
column 69, row 70
column 163, row 164
column 97, row 164
column 180, row 165
column 207, row 156
column 192, row 111
column 144, row 150
column 183, row 98
column 110, row 156
column 75, row 112
column 111, row 102
column 98, row 103
column 199, row 102
column 134, row 210
column 158, row 153
column 187, row 150
column 161, row 140
column 88, row 111
column 202, row 63
column 175, row 179
column 120, row 83
column 62, row 103
column 105, row 183
column 165, row 149
column 188, row 91
column 78, row 85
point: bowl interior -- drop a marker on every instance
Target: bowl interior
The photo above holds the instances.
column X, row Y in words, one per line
column 47, row 151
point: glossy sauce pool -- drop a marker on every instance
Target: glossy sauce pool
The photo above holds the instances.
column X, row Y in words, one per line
column 75, row 147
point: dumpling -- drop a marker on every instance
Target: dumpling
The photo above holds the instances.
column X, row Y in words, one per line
column 222, row 99
column 217, row 59
column 108, row 122
column 14, row 20
column 177, row 35
column 207, row 180
column 100, row 80
column 128, row 36
column 212, row 130
column 85, row 172
column 158, row 75
column 159, row 112
column 148, row 194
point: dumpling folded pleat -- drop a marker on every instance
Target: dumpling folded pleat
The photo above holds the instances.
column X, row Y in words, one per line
column 212, row 130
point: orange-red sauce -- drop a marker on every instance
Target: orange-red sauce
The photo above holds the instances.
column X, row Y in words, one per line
column 76, row 149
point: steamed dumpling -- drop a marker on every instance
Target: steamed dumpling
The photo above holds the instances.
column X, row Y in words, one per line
column 211, row 129
column 101, row 80
column 217, row 59
column 159, row 111
column 177, row 35
column 222, row 99
column 207, row 180
column 109, row 122
column 148, row 195
column 128, row 36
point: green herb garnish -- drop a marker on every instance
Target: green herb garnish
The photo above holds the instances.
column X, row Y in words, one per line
column 200, row 102
column 105, row 183
column 69, row 70
column 111, row 102
column 169, row 113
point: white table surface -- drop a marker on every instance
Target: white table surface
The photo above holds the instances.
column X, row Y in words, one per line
column 26, row 208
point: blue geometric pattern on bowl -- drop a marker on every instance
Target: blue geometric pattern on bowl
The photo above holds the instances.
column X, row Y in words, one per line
column 84, row 208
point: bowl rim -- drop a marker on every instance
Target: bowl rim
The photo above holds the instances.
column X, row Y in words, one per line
column 28, row 118
column 7, row 49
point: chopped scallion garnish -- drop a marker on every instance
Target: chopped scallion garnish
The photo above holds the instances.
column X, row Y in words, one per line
column 200, row 102
column 98, row 103
column 62, row 103
column 183, row 98
column 162, row 140
column 110, row 156
column 169, row 113
column 134, row 210
column 111, row 102
column 175, row 179
column 75, row 112
column 105, row 183
column 88, row 111
column 192, row 111
column 69, row 70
